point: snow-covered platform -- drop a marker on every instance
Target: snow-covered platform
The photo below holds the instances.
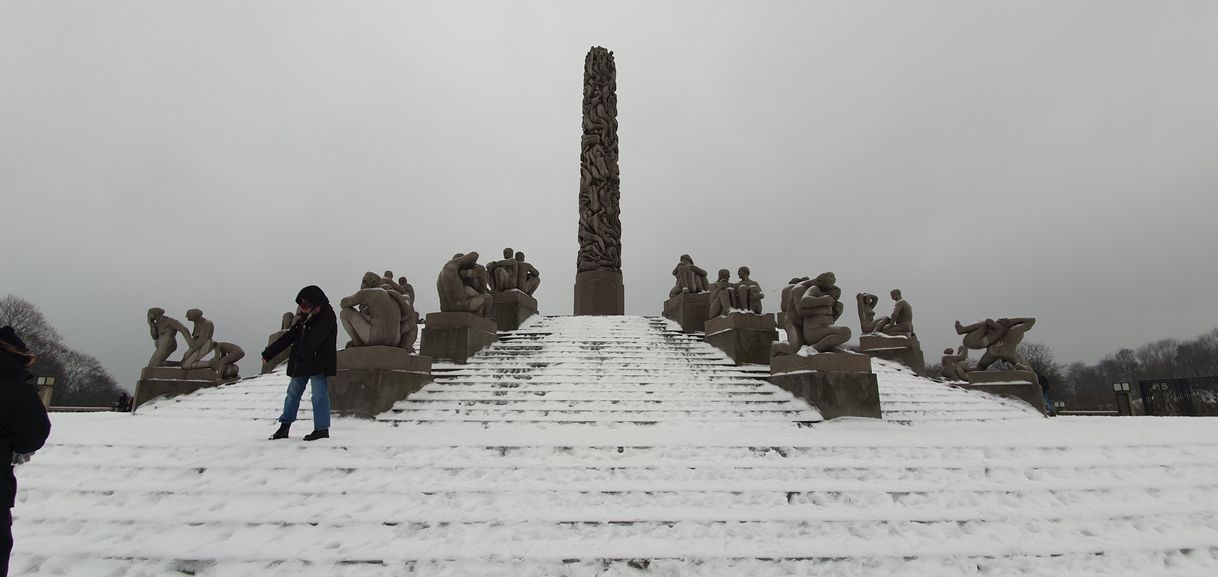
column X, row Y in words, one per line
column 618, row 446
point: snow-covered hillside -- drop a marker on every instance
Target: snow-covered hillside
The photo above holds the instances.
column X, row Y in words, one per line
column 618, row 446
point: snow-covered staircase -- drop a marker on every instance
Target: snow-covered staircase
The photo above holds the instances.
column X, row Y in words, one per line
column 616, row 446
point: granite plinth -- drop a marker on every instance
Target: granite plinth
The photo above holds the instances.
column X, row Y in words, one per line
column 822, row 362
column 904, row 350
column 280, row 358
column 369, row 380
column 172, row 381
column 599, row 292
column 509, row 309
column 1021, row 385
column 834, row 394
column 745, row 337
column 456, row 336
column 688, row 310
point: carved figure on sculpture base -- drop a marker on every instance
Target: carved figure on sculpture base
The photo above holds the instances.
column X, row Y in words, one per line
column 456, row 286
column 1000, row 339
column 165, row 331
column 689, row 277
column 378, row 315
column 224, row 359
column 811, row 307
column 201, row 340
column 527, row 276
column 955, row 366
column 748, row 292
column 503, row 274
column 722, row 298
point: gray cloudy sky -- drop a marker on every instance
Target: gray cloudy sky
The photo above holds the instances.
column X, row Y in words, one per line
column 1053, row 159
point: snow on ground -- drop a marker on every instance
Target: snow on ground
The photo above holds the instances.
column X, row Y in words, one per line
column 617, row 446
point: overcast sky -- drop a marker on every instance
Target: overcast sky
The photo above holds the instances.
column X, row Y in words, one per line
column 1052, row 159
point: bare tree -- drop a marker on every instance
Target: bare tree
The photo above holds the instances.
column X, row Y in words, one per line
column 80, row 379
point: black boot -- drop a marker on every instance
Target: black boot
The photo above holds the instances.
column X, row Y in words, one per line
column 281, row 432
column 318, row 434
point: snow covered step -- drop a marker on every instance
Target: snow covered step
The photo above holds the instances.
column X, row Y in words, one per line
column 993, row 536
column 533, row 404
column 276, row 505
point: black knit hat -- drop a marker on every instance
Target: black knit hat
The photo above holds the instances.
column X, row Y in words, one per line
column 13, row 346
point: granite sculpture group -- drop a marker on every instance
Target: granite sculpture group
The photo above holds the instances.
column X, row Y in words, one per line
column 380, row 364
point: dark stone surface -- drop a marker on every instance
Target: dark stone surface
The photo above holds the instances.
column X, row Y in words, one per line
column 904, row 350
column 511, row 308
column 744, row 337
column 148, row 389
column 1021, row 385
column 456, row 336
column 834, row 394
column 824, row 362
column 382, row 358
column 599, row 293
column 178, row 374
column 366, row 393
column 689, row 310
column 279, row 359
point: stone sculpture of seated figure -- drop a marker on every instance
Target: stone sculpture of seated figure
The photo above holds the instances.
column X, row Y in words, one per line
column 955, row 366
column 868, row 323
column 224, row 360
column 457, row 283
column 1000, row 339
column 811, row 308
column 748, row 292
column 689, row 278
column 200, row 343
column 374, row 315
column 722, row 295
column 503, row 274
column 527, row 277
column 900, row 323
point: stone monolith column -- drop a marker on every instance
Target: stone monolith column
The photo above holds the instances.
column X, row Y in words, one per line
column 598, row 277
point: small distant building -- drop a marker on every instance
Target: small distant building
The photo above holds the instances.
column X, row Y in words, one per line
column 1188, row 397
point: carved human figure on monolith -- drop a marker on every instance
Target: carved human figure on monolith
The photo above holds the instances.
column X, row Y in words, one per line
column 955, row 366
column 224, row 359
column 748, row 292
column 387, row 281
column 690, row 278
column 504, row 274
column 165, row 331
column 455, row 294
column 1000, row 339
column 201, row 340
column 377, row 315
column 722, row 297
column 527, row 276
column 812, row 306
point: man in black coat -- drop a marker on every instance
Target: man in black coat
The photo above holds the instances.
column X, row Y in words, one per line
column 24, row 427
column 314, row 339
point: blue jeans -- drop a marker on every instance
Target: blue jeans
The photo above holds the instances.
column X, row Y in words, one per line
column 321, row 401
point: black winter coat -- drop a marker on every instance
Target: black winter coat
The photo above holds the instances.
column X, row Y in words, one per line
column 314, row 342
column 24, row 425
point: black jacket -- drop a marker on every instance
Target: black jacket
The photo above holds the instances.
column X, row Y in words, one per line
column 24, row 425
column 314, row 339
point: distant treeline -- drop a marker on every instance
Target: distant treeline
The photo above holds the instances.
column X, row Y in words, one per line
column 80, row 379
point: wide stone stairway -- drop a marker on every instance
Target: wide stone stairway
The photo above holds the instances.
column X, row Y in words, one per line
column 618, row 446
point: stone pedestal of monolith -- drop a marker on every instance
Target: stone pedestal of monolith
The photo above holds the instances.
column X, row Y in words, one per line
column 745, row 337
column 456, row 336
column 172, row 381
column 509, row 309
column 599, row 292
column 1022, row 385
column 837, row 384
column 904, row 350
column 688, row 310
column 371, row 379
